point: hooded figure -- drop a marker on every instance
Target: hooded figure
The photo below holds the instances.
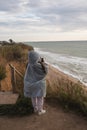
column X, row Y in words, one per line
column 34, row 79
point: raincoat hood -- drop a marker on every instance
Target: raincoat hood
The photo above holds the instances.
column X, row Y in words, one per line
column 33, row 57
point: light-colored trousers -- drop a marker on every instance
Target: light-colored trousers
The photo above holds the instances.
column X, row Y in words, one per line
column 37, row 103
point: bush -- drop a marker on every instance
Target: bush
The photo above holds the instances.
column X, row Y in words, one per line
column 73, row 97
column 26, row 47
column 12, row 52
column 15, row 51
column 22, row 107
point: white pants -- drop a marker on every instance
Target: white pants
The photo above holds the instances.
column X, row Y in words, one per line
column 37, row 103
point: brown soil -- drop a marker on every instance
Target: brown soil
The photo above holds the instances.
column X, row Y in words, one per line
column 6, row 83
column 54, row 119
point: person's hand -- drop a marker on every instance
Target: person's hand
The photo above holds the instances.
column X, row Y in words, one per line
column 41, row 60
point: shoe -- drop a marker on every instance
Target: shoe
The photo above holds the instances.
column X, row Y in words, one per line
column 35, row 110
column 41, row 112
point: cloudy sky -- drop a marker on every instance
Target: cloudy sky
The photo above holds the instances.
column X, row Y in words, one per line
column 42, row 20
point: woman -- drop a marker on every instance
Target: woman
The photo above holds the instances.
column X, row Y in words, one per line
column 35, row 82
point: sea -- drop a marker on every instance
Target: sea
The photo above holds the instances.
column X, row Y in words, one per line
column 69, row 57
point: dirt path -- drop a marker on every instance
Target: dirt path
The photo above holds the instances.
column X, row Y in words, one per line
column 54, row 119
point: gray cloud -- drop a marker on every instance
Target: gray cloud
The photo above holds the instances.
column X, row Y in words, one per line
column 9, row 5
column 65, row 14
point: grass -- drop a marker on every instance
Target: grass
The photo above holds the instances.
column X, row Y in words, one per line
column 73, row 98
column 11, row 52
column 22, row 107
column 70, row 95
column 14, row 52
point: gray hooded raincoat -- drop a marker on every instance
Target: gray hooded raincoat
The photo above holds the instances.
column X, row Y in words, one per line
column 34, row 79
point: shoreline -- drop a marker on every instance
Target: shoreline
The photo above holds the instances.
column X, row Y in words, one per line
column 68, row 74
column 75, row 72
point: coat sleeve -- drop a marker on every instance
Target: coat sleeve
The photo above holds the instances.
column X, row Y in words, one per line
column 39, row 69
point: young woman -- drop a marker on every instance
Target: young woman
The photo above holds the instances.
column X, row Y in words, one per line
column 35, row 82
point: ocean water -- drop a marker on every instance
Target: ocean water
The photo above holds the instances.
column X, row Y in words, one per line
column 68, row 56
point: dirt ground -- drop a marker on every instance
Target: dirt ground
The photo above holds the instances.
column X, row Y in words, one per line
column 54, row 119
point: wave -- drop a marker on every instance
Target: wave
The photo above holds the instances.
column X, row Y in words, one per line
column 74, row 66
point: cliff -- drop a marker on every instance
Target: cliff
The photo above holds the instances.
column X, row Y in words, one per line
column 68, row 90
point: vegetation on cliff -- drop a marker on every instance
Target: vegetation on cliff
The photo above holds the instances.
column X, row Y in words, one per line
column 69, row 92
column 14, row 51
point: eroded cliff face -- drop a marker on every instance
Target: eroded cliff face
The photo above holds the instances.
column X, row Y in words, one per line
column 16, row 54
column 6, row 83
column 55, row 79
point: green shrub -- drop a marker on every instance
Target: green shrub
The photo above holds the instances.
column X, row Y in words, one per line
column 22, row 107
column 73, row 98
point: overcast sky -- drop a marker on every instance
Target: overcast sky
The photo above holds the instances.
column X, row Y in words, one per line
column 38, row 20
